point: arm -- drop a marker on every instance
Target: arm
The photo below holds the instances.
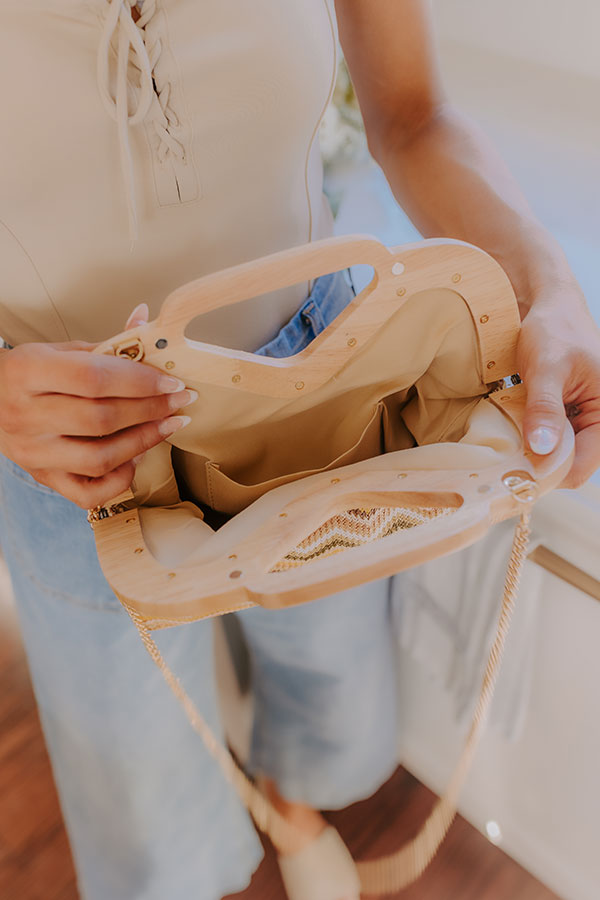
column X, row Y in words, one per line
column 451, row 181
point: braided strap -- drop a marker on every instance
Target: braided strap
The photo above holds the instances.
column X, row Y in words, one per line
column 396, row 871
column 392, row 873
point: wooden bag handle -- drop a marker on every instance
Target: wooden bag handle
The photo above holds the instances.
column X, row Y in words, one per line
column 274, row 272
column 400, row 273
column 235, row 568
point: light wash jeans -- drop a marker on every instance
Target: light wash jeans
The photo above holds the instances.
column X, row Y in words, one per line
column 148, row 814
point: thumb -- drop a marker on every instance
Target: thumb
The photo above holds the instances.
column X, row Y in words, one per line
column 139, row 316
column 545, row 418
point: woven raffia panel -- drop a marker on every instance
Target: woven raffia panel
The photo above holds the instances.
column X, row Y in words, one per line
column 355, row 527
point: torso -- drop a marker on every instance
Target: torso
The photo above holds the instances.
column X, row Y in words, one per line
column 248, row 85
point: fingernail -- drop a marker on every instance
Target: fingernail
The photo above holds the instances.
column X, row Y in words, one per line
column 543, row 440
column 169, row 385
column 173, row 424
column 179, row 401
column 140, row 314
column 137, row 459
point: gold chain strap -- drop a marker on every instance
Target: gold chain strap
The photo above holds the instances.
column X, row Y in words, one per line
column 396, row 871
column 392, row 873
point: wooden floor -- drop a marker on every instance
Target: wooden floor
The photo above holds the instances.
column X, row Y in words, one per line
column 35, row 862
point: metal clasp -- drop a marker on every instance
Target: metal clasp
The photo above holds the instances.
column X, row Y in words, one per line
column 97, row 513
column 522, row 486
column 132, row 349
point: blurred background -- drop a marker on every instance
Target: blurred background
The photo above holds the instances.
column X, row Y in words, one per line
column 529, row 72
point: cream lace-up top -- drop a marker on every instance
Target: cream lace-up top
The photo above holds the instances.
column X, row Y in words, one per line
column 139, row 155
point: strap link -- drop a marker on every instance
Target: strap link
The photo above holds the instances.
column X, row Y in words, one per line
column 97, row 513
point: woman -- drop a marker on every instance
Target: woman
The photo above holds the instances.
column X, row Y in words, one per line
column 149, row 145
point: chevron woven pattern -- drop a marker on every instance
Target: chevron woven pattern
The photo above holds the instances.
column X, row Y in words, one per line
column 355, row 527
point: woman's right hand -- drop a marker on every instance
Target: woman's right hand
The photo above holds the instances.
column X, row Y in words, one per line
column 77, row 421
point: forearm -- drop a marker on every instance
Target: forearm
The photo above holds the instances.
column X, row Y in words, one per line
column 451, row 182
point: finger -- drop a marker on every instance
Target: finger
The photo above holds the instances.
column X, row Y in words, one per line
column 139, row 316
column 96, row 457
column 88, row 492
column 75, row 345
column 82, row 417
column 587, row 457
column 42, row 369
column 544, row 419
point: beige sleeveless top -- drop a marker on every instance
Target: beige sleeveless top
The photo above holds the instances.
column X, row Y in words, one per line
column 138, row 156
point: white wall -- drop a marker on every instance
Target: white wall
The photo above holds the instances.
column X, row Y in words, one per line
column 561, row 33
column 528, row 71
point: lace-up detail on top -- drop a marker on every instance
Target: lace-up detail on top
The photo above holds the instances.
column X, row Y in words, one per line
column 136, row 47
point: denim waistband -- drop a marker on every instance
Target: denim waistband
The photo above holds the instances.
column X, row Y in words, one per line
column 329, row 296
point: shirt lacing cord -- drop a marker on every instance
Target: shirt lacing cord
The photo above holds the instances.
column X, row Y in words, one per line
column 135, row 46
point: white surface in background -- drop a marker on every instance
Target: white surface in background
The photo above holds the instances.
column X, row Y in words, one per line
column 563, row 33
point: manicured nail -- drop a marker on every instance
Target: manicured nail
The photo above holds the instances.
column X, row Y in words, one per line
column 179, row 401
column 169, row 385
column 139, row 316
column 173, row 424
column 542, row 440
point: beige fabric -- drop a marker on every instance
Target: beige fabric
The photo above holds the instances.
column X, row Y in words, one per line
column 225, row 162
column 416, row 382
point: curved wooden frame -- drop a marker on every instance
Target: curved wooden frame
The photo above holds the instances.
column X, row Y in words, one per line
column 232, row 568
column 399, row 273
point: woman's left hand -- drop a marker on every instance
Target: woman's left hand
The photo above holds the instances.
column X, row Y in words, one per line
column 559, row 361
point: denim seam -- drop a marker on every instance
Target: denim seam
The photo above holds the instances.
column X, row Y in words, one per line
column 315, row 317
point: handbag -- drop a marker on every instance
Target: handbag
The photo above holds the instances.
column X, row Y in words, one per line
column 393, row 438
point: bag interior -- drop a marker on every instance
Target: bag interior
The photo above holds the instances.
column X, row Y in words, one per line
column 413, row 395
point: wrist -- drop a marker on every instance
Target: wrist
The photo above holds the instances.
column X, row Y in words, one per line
column 539, row 272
